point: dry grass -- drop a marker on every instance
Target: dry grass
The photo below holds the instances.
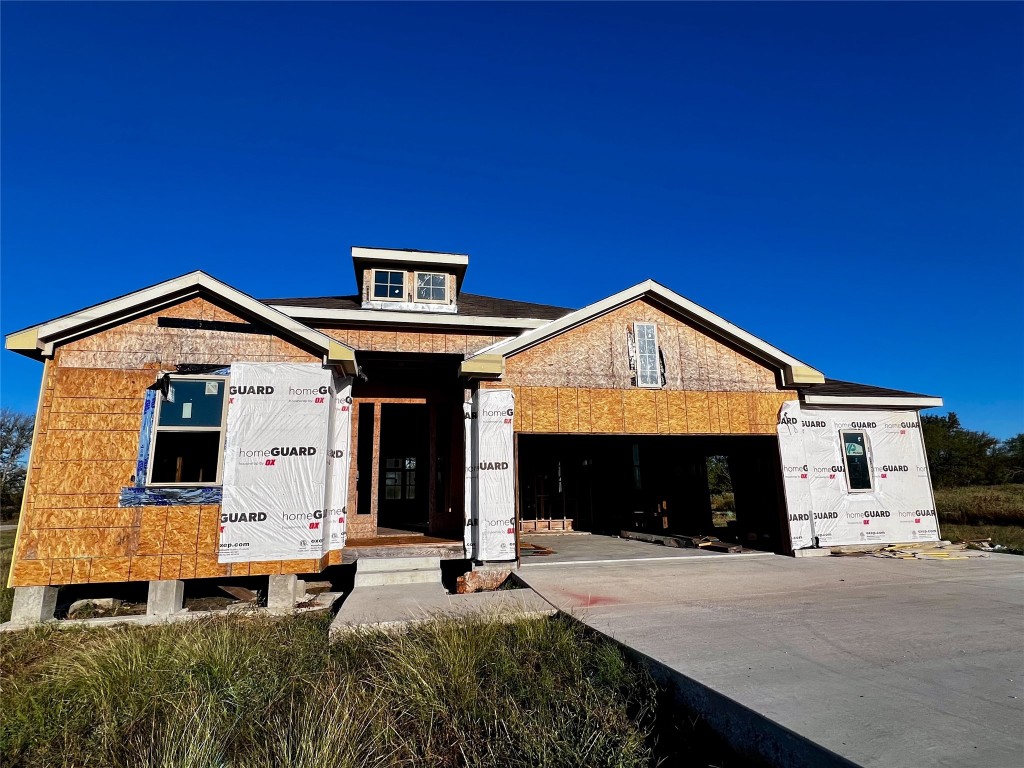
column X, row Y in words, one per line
column 263, row 693
column 981, row 504
column 6, row 555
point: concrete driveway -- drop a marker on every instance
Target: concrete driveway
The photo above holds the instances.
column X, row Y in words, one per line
column 585, row 548
column 882, row 662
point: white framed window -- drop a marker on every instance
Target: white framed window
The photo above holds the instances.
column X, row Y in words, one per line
column 187, row 446
column 432, row 287
column 388, row 285
column 857, row 460
column 648, row 364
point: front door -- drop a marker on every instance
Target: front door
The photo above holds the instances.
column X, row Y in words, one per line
column 403, row 489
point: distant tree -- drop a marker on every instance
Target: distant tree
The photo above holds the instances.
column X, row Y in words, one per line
column 1010, row 456
column 958, row 456
column 719, row 479
column 15, row 441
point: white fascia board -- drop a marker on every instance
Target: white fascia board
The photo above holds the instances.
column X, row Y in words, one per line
column 885, row 402
column 170, row 291
column 650, row 288
column 408, row 318
column 409, row 257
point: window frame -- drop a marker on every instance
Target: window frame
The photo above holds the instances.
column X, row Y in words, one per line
column 657, row 356
column 223, row 429
column 373, row 284
column 416, row 279
column 867, row 457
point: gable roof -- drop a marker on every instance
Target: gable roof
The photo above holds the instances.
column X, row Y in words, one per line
column 793, row 371
column 39, row 341
column 836, row 392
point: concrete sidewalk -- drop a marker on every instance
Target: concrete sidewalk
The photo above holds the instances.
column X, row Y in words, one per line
column 883, row 662
column 400, row 604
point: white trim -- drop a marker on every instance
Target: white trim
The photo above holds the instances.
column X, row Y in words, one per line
column 889, row 402
column 636, row 351
column 163, row 294
column 373, row 284
column 409, row 257
column 703, row 317
column 846, row 462
column 375, row 316
column 223, row 429
column 416, row 287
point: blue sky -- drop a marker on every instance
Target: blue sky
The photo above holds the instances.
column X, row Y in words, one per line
column 844, row 180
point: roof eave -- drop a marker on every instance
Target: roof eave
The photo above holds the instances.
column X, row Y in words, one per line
column 909, row 401
column 39, row 341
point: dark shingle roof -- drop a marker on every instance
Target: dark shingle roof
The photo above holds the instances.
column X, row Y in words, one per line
column 836, row 388
column 469, row 304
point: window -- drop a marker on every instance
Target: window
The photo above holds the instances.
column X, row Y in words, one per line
column 400, row 478
column 188, row 439
column 858, row 463
column 431, row 286
column 648, row 365
column 388, row 285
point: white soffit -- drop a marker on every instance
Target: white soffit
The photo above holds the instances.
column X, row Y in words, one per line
column 360, row 253
column 408, row 318
column 884, row 402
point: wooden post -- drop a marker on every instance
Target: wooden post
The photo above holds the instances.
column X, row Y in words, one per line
column 375, row 478
column 432, row 464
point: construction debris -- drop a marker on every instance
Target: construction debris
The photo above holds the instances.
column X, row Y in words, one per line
column 240, row 593
column 938, row 550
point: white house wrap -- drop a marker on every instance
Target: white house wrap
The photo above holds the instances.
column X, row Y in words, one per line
column 275, row 466
column 493, row 476
column 338, row 462
column 897, row 507
column 469, row 419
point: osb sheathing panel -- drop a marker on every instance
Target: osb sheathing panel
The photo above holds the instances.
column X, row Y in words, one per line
column 412, row 341
column 595, row 356
column 645, row 412
column 142, row 343
column 85, row 451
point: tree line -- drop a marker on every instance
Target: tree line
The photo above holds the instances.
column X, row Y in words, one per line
column 959, row 456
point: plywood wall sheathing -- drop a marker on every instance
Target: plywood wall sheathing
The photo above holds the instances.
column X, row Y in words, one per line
column 72, row 530
column 595, row 356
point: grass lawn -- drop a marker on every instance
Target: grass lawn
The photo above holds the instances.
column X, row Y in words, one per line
column 6, row 554
column 980, row 512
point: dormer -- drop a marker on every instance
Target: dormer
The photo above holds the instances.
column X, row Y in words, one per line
column 411, row 281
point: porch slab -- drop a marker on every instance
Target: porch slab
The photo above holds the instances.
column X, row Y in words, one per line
column 399, row 605
column 403, row 546
column 588, row 549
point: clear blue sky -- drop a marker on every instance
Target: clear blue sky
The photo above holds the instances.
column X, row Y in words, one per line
column 845, row 181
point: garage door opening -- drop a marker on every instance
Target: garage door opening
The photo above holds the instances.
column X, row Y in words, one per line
column 724, row 486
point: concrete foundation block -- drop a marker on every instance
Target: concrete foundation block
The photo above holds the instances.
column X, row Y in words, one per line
column 33, row 604
column 283, row 591
column 165, row 597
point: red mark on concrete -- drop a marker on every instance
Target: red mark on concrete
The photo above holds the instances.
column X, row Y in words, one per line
column 589, row 601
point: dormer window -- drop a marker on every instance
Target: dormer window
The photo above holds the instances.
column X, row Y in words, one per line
column 431, row 286
column 388, row 285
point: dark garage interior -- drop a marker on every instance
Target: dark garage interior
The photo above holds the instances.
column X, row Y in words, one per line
column 724, row 486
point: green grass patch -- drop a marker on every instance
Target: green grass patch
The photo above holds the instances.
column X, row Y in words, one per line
column 262, row 693
column 6, row 555
column 981, row 504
